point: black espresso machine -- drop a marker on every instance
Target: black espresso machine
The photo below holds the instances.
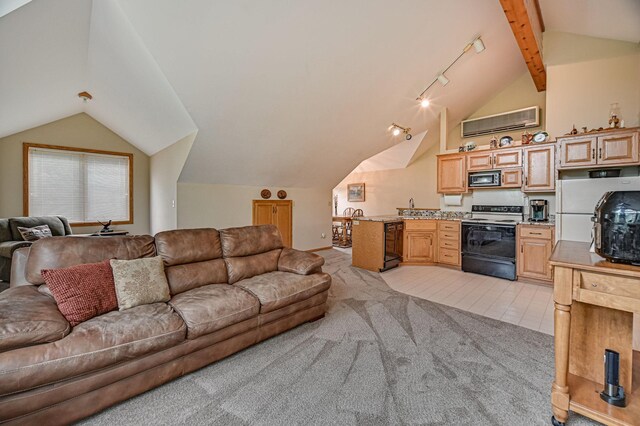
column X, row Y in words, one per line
column 616, row 226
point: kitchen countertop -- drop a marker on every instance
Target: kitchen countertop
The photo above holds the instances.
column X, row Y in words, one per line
column 392, row 218
column 550, row 222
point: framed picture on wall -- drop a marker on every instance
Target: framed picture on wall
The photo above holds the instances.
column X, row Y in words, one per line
column 355, row 192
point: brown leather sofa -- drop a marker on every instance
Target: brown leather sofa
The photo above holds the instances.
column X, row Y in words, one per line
column 230, row 289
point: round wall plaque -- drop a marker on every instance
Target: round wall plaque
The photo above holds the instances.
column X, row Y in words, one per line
column 265, row 193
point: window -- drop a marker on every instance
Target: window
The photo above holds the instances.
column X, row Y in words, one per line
column 85, row 186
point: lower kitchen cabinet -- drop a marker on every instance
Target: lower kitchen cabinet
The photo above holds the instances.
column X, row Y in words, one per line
column 535, row 244
column 420, row 241
column 419, row 247
column 449, row 242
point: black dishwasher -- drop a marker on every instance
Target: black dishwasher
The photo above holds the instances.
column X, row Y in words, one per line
column 392, row 245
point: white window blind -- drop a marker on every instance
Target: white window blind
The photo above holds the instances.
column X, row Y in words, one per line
column 83, row 187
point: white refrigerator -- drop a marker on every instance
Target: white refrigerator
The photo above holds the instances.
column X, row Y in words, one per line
column 577, row 199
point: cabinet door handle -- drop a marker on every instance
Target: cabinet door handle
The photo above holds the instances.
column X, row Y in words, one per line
column 600, row 153
column 535, row 233
column 526, row 181
column 521, row 248
column 593, row 153
column 594, row 285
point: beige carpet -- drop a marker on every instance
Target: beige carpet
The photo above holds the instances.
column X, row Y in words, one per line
column 379, row 357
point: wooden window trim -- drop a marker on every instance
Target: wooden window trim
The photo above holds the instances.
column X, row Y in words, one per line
column 25, row 177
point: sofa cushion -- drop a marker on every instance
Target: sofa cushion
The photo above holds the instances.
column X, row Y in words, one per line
column 57, row 252
column 299, row 262
column 249, row 240
column 82, row 291
column 35, row 233
column 240, row 268
column 188, row 245
column 53, row 222
column 140, row 282
column 213, row 307
column 8, row 247
column 278, row 289
column 193, row 275
column 28, row 317
column 192, row 258
column 98, row 343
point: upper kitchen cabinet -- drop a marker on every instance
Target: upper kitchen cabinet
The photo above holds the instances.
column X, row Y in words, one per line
column 482, row 160
column 504, row 158
column 452, row 174
column 607, row 148
column 619, row 148
column 539, row 168
column 494, row 159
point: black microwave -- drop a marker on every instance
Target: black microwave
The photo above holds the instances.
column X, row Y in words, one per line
column 484, row 179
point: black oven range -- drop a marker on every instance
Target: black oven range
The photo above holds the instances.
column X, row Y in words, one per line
column 489, row 240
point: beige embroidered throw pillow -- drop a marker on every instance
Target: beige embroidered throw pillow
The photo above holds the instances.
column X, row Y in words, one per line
column 140, row 282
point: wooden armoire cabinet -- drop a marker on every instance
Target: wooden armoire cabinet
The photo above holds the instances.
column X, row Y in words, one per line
column 275, row 212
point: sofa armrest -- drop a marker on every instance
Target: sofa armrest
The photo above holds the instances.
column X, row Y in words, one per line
column 299, row 262
column 19, row 267
column 29, row 318
column 8, row 247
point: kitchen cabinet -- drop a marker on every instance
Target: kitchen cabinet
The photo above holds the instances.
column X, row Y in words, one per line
column 275, row 212
column 504, row 158
column 494, row 159
column 511, row 178
column 539, row 168
column 606, row 148
column 419, row 241
column 449, row 242
column 479, row 161
column 452, row 174
column 535, row 244
column 618, row 148
column 368, row 243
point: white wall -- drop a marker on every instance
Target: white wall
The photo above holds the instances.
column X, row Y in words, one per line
column 165, row 168
column 584, row 76
column 224, row 206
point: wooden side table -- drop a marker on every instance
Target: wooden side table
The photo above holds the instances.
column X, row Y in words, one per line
column 594, row 305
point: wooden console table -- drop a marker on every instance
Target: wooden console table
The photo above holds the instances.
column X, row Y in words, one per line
column 594, row 305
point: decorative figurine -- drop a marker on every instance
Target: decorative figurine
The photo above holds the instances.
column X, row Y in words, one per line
column 614, row 112
column 493, row 143
column 573, row 131
column 584, row 129
column 527, row 138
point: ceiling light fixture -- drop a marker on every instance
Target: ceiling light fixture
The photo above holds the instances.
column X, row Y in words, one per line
column 476, row 43
column 397, row 129
column 425, row 103
column 85, row 96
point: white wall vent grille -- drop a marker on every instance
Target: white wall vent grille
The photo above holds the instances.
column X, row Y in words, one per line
column 519, row 119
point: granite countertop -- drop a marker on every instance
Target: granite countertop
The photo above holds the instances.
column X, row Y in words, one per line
column 550, row 222
column 392, row 218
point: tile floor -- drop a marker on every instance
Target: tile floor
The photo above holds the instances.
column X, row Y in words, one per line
column 525, row 304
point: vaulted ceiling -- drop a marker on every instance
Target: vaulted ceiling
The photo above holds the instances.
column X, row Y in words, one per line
column 281, row 93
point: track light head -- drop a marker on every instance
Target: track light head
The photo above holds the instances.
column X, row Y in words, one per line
column 478, row 45
column 395, row 131
column 424, row 102
column 442, row 79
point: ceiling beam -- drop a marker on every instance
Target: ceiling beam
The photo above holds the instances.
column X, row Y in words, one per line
column 527, row 26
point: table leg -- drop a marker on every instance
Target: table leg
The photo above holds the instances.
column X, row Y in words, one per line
column 560, row 388
column 344, row 234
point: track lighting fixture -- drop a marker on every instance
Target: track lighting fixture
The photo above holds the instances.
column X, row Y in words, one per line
column 442, row 79
column 424, row 102
column 396, row 130
column 476, row 43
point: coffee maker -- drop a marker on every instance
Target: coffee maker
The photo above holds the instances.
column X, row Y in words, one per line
column 538, row 211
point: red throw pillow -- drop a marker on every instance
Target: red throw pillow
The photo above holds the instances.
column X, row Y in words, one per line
column 82, row 291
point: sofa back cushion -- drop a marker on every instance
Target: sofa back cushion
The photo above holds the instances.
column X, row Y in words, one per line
column 250, row 250
column 192, row 258
column 5, row 230
column 58, row 252
column 58, row 225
